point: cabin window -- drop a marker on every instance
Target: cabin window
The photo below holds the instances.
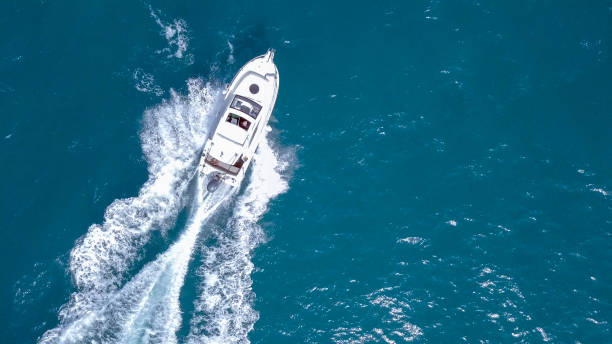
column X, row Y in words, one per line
column 246, row 105
column 239, row 121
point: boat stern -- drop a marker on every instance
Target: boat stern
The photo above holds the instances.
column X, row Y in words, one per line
column 216, row 170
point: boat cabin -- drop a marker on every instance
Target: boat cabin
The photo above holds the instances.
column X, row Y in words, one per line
column 227, row 154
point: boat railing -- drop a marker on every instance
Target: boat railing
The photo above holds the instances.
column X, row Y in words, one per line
column 270, row 54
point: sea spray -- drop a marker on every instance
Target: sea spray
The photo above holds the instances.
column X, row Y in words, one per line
column 146, row 309
column 175, row 33
column 158, row 317
column 223, row 312
column 172, row 136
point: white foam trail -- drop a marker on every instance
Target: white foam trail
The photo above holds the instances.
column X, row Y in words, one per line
column 146, row 309
column 175, row 34
column 145, row 82
column 157, row 317
column 172, row 135
column 223, row 311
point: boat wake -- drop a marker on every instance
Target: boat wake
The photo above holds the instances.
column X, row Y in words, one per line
column 146, row 309
column 223, row 311
column 111, row 307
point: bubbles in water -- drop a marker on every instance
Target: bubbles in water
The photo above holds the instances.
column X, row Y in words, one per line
column 172, row 135
column 230, row 58
column 175, row 34
column 147, row 308
column 145, row 82
column 223, row 311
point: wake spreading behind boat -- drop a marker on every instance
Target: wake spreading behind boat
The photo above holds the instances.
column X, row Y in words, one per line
column 248, row 103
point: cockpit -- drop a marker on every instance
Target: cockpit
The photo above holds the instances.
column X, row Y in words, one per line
column 246, row 106
column 237, row 120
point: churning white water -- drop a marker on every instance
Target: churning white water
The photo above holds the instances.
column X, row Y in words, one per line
column 109, row 306
column 223, row 311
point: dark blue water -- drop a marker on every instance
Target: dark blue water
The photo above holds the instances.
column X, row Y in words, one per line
column 437, row 172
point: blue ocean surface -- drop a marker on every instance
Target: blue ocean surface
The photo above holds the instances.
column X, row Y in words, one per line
column 436, row 172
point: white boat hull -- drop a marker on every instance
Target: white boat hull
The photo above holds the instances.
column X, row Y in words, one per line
column 248, row 103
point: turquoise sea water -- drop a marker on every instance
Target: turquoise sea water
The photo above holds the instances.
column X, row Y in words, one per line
column 437, row 172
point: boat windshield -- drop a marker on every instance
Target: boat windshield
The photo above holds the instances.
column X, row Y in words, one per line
column 246, row 105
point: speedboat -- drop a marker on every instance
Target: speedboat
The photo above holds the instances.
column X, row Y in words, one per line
column 248, row 103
